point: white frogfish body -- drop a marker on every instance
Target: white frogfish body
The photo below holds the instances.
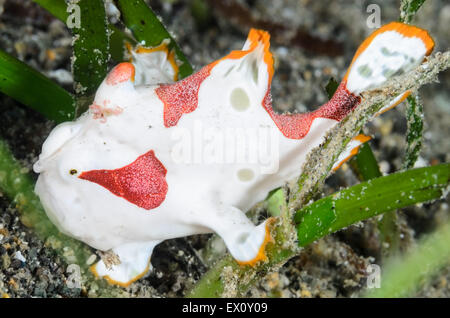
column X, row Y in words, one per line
column 155, row 158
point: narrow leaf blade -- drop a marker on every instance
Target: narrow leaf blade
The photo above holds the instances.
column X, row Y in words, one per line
column 117, row 40
column 414, row 117
column 34, row 90
column 369, row 199
column 90, row 47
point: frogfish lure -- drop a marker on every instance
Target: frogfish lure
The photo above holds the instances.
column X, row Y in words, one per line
column 155, row 158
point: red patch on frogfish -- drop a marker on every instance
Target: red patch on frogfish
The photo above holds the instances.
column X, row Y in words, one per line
column 142, row 182
column 297, row 126
column 181, row 97
column 101, row 112
column 121, row 73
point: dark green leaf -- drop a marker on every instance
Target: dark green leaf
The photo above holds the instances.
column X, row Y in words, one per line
column 56, row 7
column 34, row 90
column 90, row 47
column 364, row 163
column 331, row 87
column 370, row 198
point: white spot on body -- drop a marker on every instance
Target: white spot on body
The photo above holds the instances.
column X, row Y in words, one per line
column 245, row 175
column 239, row 99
